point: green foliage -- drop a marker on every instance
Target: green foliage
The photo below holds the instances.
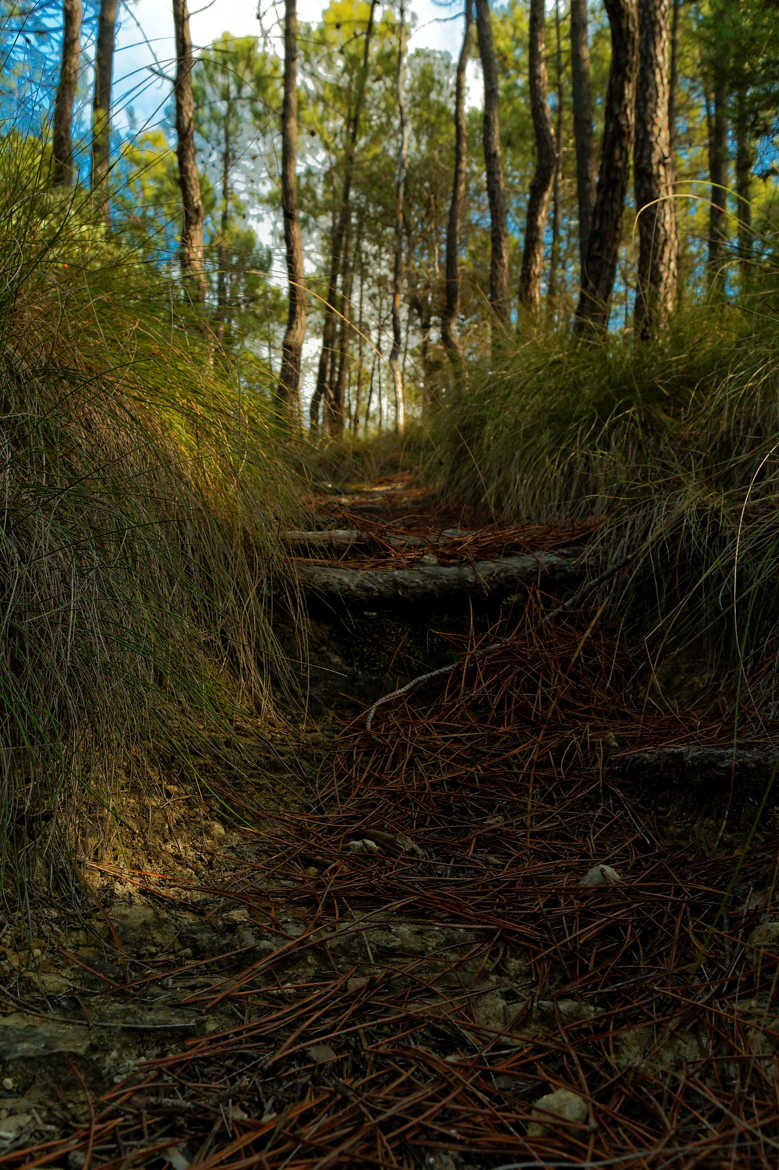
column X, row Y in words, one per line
column 142, row 500
column 674, row 449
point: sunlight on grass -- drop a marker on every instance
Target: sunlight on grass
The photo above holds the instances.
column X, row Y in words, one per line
column 142, row 497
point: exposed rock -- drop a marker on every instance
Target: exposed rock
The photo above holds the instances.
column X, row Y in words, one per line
column 490, row 1011
column 363, row 845
column 600, row 875
column 22, row 1035
column 766, row 937
column 659, row 1054
column 563, row 1105
column 569, row 1010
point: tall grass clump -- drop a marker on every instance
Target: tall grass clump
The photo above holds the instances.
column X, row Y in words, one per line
column 674, row 447
column 142, row 494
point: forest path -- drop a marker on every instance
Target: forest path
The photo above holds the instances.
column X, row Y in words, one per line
column 469, row 940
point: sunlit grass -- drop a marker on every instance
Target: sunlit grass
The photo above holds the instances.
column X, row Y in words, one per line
column 142, row 495
column 675, row 447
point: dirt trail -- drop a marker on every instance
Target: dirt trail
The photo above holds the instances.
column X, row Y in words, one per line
column 463, row 937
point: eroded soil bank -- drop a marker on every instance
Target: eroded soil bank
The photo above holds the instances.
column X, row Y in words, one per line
column 469, row 935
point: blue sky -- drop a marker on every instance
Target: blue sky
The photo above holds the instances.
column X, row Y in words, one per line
column 145, row 40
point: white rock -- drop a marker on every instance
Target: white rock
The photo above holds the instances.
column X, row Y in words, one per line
column 363, row 845
column 563, row 1105
column 600, row 875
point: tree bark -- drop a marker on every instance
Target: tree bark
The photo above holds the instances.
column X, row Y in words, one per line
column 224, row 220
column 452, row 298
column 582, row 125
column 718, row 176
column 62, row 141
column 400, row 187
column 745, row 158
column 546, row 163
column 288, row 386
column 653, row 174
column 192, row 243
column 554, row 255
column 101, row 106
column 323, row 392
column 341, row 357
column 592, row 312
column 493, row 165
column 430, row 583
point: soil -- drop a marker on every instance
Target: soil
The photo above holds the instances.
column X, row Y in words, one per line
column 463, row 938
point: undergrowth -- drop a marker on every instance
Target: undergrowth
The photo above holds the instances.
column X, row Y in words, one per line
column 675, row 448
column 142, row 495
column 352, row 461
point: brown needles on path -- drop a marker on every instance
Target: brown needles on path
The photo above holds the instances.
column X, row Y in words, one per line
column 431, row 955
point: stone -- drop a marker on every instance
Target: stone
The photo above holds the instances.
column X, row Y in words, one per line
column 766, row 937
column 490, row 1011
column 600, row 875
column 563, row 1105
column 363, row 845
column 30, row 1036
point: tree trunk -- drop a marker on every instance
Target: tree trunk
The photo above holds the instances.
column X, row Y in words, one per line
column 288, row 386
column 718, row 177
column 62, row 141
column 422, row 304
column 673, row 79
column 101, row 106
column 745, row 158
column 341, row 356
column 357, row 404
column 400, row 187
column 592, row 312
column 427, row 584
column 546, row 163
column 452, row 300
column 554, row 256
column 493, row 165
column 323, row 391
column 192, row 244
column 582, row 125
column 653, row 174
column 224, row 223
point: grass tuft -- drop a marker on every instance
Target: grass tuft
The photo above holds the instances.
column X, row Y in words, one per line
column 142, row 494
column 674, row 447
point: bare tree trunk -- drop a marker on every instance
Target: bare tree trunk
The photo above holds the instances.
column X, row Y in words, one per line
column 224, row 222
column 323, row 391
column 357, row 404
column 288, row 386
column 582, row 124
column 554, row 257
column 745, row 158
column 493, row 165
column 101, row 106
column 673, row 86
column 592, row 312
column 341, row 356
column 192, row 243
column 653, row 174
column 673, row 79
column 546, row 163
column 718, row 177
column 400, row 188
column 62, row 141
column 422, row 304
column 452, row 302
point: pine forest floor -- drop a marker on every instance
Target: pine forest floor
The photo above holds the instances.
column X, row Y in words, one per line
column 452, row 930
